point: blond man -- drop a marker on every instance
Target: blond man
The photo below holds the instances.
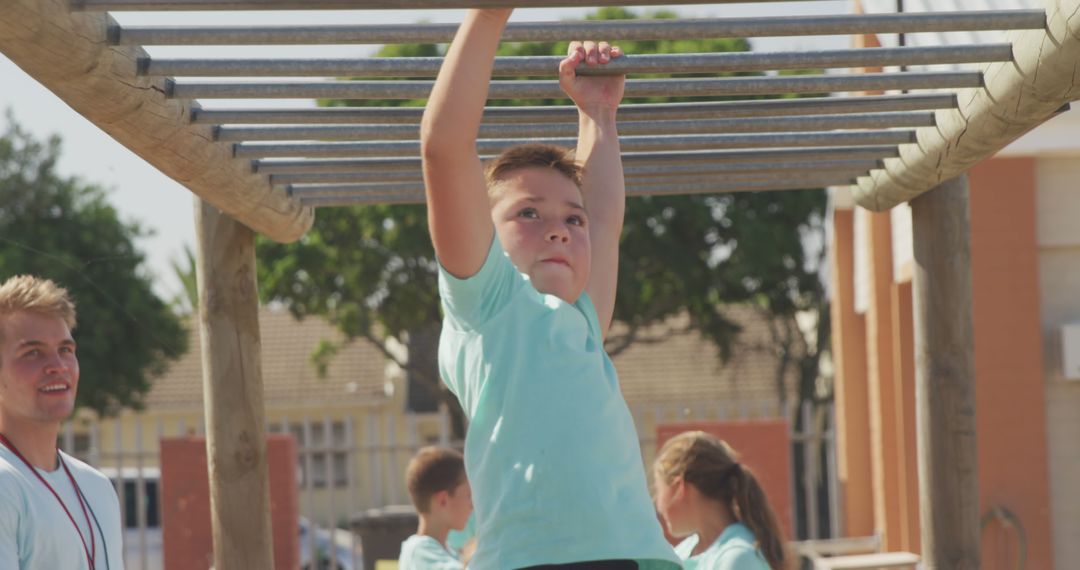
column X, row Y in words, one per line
column 55, row 511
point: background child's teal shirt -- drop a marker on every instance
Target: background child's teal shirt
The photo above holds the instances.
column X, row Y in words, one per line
column 551, row 451
column 734, row 549
column 420, row 552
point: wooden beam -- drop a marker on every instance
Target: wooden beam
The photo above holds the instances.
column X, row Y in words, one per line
column 233, row 392
column 69, row 54
column 945, row 378
column 1018, row 96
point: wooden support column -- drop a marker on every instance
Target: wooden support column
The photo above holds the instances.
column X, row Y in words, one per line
column 233, row 392
column 854, row 465
column 881, row 381
column 945, row 378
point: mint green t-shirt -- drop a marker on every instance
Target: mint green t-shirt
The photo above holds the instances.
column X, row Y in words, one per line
column 420, row 552
column 551, row 451
column 734, row 549
column 456, row 539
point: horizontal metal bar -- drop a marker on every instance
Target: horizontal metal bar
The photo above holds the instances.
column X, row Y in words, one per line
column 200, row 5
column 629, row 112
column 641, row 170
column 717, row 186
column 330, row 190
column 795, row 123
column 413, row 175
column 274, row 166
column 770, row 156
column 628, row 144
column 674, row 189
column 822, row 167
column 611, row 30
column 548, row 66
column 548, row 89
column 364, row 200
column 331, row 133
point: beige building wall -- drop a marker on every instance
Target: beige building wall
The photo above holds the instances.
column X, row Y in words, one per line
column 362, row 398
column 381, row 437
column 1058, row 203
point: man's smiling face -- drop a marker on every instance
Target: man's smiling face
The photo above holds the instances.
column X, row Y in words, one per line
column 39, row 372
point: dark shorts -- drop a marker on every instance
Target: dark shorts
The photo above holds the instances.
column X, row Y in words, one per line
column 591, row 565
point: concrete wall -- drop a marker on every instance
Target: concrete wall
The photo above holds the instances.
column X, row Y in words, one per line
column 1016, row 454
column 1009, row 374
column 850, row 382
column 1058, row 235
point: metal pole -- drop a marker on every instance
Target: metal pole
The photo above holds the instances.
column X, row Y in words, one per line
column 395, row 179
column 548, row 66
column 331, row 447
column 418, row 197
column 643, row 170
column 569, row 129
column 628, row 112
column 309, row 489
column 628, row 144
column 414, row 193
column 548, row 89
column 612, row 30
column 647, row 184
column 169, row 5
column 945, row 378
column 770, row 156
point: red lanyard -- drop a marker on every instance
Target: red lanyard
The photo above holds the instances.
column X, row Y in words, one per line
column 91, row 551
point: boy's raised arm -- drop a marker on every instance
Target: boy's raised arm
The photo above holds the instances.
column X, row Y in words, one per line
column 597, row 99
column 459, row 215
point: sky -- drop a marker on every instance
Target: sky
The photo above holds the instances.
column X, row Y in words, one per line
column 141, row 193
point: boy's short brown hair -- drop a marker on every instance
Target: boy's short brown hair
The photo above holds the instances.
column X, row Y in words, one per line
column 431, row 470
column 532, row 155
column 36, row 295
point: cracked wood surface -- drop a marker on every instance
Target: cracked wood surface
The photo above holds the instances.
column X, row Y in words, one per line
column 1017, row 97
column 68, row 54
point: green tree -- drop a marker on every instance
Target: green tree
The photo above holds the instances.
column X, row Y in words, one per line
column 65, row 230
column 186, row 302
column 371, row 270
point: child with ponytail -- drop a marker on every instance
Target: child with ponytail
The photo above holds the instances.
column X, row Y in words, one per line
column 703, row 493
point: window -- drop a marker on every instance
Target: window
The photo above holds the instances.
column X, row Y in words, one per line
column 79, row 444
column 131, row 502
column 329, row 456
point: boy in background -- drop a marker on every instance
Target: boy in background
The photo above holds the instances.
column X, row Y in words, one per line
column 440, row 492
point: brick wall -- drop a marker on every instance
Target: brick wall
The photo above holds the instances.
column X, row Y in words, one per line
column 185, row 502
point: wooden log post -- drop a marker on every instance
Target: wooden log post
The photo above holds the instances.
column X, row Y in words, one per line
column 233, row 392
column 945, row 378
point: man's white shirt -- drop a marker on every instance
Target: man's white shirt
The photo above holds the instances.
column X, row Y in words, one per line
column 35, row 533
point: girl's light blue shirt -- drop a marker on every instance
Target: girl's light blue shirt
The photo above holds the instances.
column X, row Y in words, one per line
column 734, row 549
column 551, row 451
